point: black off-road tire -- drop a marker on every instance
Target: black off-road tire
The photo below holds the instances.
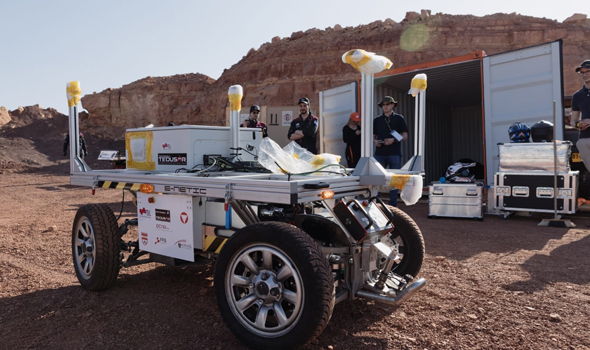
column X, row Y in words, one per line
column 96, row 248
column 411, row 243
column 303, row 272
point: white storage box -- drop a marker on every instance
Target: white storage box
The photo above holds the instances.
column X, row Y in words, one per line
column 174, row 147
column 457, row 200
column 534, row 156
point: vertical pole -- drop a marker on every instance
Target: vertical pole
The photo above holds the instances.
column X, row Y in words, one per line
column 416, row 122
column 74, row 93
column 554, row 167
column 367, row 115
column 235, row 94
column 422, row 135
column 74, row 138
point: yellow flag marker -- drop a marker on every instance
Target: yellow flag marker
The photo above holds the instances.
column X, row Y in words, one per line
column 235, row 94
column 399, row 181
column 418, row 84
column 73, row 92
column 366, row 62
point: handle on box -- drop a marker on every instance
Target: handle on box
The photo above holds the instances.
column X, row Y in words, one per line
column 363, row 211
column 386, row 211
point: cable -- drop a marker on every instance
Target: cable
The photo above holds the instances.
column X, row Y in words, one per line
column 122, row 204
column 315, row 171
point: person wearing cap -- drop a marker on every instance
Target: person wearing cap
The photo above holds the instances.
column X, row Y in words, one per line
column 304, row 129
column 351, row 134
column 253, row 122
column 389, row 130
column 581, row 108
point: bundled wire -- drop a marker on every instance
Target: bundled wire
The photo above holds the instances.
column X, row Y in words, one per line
column 319, row 170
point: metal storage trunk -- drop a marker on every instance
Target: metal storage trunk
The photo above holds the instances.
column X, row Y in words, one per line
column 533, row 191
column 457, row 200
column 534, row 156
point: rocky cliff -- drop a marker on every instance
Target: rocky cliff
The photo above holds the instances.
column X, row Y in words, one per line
column 283, row 70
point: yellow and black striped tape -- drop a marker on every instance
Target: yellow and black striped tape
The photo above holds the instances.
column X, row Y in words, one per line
column 119, row 185
column 213, row 243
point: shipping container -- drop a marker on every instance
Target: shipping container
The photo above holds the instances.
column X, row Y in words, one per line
column 471, row 101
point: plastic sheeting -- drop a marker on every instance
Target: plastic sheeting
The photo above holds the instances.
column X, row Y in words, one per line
column 409, row 185
column 295, row 159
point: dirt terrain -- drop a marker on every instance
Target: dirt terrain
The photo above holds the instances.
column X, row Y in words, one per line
column 492, row 284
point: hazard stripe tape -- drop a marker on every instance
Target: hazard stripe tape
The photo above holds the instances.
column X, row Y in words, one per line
column 213, row 243
column 119, row 185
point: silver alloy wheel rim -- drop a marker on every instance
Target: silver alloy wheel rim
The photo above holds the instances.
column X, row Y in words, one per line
column 264, row 290
column 84, row 247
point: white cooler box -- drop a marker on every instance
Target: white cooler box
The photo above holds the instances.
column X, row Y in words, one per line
column 456, row 200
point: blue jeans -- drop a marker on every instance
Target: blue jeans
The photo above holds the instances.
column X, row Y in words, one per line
column 391, row 162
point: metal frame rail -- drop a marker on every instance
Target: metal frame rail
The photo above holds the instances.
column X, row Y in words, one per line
column 257, row 187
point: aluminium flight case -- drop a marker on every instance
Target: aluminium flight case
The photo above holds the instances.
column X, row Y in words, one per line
column 456, row 200
column 533, row 191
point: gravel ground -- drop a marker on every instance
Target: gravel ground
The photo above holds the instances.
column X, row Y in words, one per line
column 492, row 284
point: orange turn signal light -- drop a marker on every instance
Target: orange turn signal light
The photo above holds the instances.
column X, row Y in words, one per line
column 327, row 194
column 146, row 188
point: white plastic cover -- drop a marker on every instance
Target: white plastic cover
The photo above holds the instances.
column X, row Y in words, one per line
column 295, row 159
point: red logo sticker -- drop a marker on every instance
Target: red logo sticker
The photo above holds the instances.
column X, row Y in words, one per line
column 183, row 217
column 144, row 238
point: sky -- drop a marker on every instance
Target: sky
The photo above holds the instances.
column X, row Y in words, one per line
column 110, row 43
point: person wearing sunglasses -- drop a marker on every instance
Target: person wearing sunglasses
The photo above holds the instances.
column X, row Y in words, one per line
column 581, row 112
column 253, row 122
column 389, row 130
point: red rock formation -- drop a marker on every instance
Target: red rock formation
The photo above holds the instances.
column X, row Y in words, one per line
column 34, row 122
column 4, row 116
column 280, row 72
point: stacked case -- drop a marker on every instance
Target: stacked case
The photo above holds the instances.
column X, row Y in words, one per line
column 525, row 180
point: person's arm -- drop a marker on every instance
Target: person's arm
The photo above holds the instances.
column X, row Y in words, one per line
column 298, row 134
column 576, row 120
column 583, row 124
column 309, row 129
column 291, row 133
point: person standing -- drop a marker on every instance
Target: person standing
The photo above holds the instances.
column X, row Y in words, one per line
column 581, row 108
column 253, row 122
column 351, row 134
column 304, row 129
column 389, row 130
column 83, row 149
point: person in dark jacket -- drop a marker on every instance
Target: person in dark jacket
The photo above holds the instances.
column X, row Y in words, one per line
column 83, row 149
column 389, row 130
column 253, row 122
column 351, row 134
column 581, row 112
column 304, row 129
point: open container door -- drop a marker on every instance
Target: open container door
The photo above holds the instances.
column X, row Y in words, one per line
column 520, row 85
column 336, row 105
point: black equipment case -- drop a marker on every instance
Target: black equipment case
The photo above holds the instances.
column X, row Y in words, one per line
column 533, row 191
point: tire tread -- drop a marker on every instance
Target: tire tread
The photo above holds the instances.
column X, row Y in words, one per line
column 107, row 245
